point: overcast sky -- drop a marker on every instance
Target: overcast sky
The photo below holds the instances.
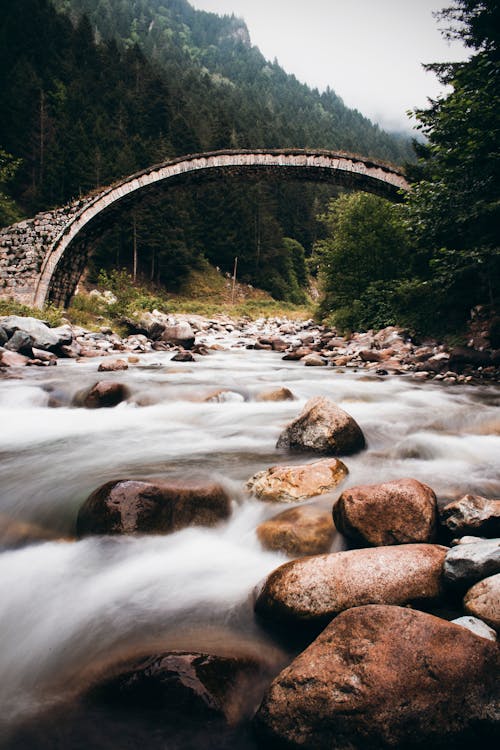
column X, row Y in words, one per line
column 368, row 51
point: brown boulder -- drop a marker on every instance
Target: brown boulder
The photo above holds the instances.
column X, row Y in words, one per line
column 323, row 427
column 180, row 684
column 399, row 512
column 385, row 677
column 114, row 365
column 307, row 530
column 103, row 394
column 290, row 484
column 315, row 589
column 280, row 394
column 483, row 601
column 12, row 359
column 180, row 334
column 472, row 514
column 132, row 506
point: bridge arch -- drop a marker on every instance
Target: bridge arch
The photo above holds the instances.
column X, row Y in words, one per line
column 56, row 232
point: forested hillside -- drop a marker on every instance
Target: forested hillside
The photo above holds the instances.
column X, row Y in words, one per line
column 93, row 90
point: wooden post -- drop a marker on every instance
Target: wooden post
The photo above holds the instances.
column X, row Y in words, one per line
column 234, row 279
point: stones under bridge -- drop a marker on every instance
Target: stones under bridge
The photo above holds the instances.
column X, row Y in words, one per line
column 42, row 259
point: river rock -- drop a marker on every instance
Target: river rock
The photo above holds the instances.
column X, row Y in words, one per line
column 466, row 564
column 180, row 334
column 43, row 336
column 483, row 601
column 183, row 356
column 385, row 677
column 3, row 336
column 307, row 530
column 103, row 394
column 402, row 511
column 15, row 532
column 114, row 365
column 133, row 506
column 472, row 514
column 291, row 484
column 323, row 427
column 477, row 626
column 314, row 360
column 12, row 359
column 315, row 589
column 21, row 343
column 186, row 685
column 279, row 394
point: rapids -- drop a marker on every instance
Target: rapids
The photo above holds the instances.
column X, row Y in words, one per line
column 69, row 607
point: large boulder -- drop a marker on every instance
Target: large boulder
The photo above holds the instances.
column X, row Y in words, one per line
column 313, row 590
column 12, row 359
column 386, row 677
column 291, row 484
column 180, row 334
column 466, row 564
column 43, row 336
column 21, row 343
column 483, row 601
column 186, row 685
column 472, row 514
column 133, row 506
column 307, row 530
column 104, row 394
column 323, row 427
column 402, row 511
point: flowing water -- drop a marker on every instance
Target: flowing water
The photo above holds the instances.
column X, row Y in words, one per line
column 69, row 608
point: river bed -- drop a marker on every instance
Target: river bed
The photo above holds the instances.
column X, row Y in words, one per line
column 71, row 607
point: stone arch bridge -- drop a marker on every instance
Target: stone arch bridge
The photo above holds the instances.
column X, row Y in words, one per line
column 42, row 259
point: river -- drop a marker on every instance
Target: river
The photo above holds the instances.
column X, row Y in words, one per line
column 68, row 607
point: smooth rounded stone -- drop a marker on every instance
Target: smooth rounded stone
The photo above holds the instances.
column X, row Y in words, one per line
column 477, row 626
column 472, row 514
column 322, row 427
column 278, row 394
column 224, row 395
column 187, row 685
column 297, row 354
column 466, row 564
column 483, row 601
column 315, row 589
column 132, row 506
column 44, row 356
column 314, row 360
column 307, row 530
column 12, row 359
column 104, row 394
column 385, row 677
column 291, row 484
column 403, row 511
column 114, row 365
column 21, row 343
column 183, row 357
column 180, row 334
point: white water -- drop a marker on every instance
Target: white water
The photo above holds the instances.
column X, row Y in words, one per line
column 68, row 607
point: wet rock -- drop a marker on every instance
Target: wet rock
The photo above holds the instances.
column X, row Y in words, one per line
column 476, row 626
column 403, row 511
column 483, row 601
column 385, row 677
column 133, row 506
column 44, row 356
column 279, row 394
column 375, row 355
column 18, row 533
column 323, row 427
column 222, row 396
column 183, row 357
column 314, row 590
column 466, row 564
column 278, row 345
column 462, row 356
column 186, row 685
column 314, row 360
column 72, row 351
column 3, row 336
column 42, row 336
column 472, row 514
column 297, row 354
column 114, row 365
column 180, row 334
column 20, row 342
column 12, row 359
column 291, row 484
column 104, row 394
column 306, row 530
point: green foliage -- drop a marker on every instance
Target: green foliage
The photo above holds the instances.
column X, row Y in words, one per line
column 50, row 314
column 9, row 212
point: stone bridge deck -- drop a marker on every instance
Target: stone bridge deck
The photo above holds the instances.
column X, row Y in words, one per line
column 43, row 258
